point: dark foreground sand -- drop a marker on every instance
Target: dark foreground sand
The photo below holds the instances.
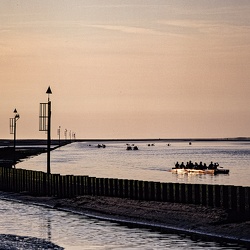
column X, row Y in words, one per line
column 210, row 223
column 14, row 242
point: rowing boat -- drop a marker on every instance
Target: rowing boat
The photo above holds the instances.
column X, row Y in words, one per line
column 199, row 171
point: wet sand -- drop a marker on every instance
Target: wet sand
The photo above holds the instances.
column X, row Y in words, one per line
column 208, row 223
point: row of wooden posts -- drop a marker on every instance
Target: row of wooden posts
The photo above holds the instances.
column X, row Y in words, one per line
column 235, row 198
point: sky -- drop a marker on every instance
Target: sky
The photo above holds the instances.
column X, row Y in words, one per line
column 126, row 69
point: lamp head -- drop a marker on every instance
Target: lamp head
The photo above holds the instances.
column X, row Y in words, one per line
column 17, row 116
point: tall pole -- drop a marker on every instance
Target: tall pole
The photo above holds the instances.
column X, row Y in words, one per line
column 13, row 131
column 65, row 134
column 48, row 131
column 49, row 137
column 45, row 124
column 59, row 135
column 14, row 137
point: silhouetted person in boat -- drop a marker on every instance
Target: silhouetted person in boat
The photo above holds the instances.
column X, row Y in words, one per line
column 190, row 165
column 205, row 166
column 201, row 166
column 216, row 165
column 177, row 165
column 182, row 165
column 213, row 166
column 196, row 166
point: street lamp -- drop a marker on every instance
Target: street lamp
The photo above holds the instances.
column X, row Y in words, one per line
column 45, row 124
column 59, row 135
column 13, row 130
column 65, row 134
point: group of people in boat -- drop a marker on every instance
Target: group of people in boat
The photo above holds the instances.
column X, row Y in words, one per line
column 200, row 166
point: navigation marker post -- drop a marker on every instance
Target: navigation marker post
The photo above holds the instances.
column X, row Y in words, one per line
column 45, row 124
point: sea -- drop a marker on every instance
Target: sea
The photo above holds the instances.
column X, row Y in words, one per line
column 152, row 161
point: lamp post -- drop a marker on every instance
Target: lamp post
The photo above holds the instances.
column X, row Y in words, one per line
column 13, row 131
column 59, row 135
column 45, row 124
column 65, row 134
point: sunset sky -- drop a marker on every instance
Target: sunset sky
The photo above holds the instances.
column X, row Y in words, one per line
column 127, row 68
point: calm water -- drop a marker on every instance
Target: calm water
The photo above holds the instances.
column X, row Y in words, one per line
column 77, row 232
column 149, row 162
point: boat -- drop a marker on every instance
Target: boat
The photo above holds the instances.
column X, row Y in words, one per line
column 199, row 171
column 221, row 171
column 195, row 168
column 132, row 147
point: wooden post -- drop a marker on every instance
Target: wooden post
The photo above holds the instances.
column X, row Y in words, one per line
column 120, row 187
column 247, row 200
column 157, row 191
column 61, row 187
column 102, row 186
column 241, row 199
column 110, row 187
column 140, row 190
column 145, row 190
column 136, row 189
column 182, row 192
column 115, row 187
column 125, row 188
column 164, row 191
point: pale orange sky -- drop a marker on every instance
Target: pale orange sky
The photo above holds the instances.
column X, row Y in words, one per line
column 127, row 69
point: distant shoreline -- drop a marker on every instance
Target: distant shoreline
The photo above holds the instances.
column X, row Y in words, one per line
column 9, row 142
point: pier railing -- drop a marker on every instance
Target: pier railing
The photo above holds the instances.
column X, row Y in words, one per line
column 233, row 198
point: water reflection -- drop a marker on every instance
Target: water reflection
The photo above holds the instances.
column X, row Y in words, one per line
column 49, row 229
column 73, row 231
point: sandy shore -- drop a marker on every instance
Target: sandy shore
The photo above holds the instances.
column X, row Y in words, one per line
column 211, row 223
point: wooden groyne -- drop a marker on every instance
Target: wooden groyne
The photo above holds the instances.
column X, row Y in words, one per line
column 233, row 198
